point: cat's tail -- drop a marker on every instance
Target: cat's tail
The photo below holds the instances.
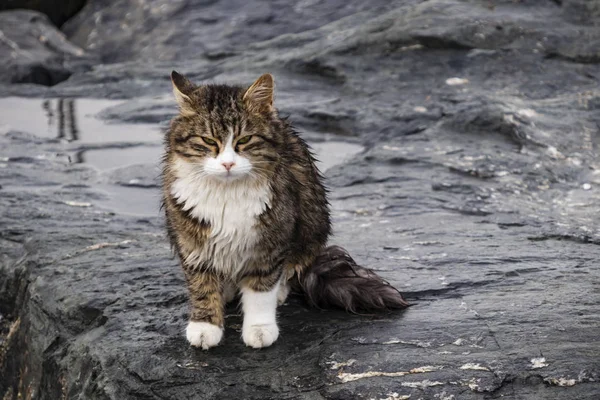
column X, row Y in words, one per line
column 335, row 280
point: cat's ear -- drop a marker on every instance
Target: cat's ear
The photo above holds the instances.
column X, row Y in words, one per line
column 259, row 96
column 182, row 89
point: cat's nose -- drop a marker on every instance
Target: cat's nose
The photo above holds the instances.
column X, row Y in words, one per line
column 228, row 165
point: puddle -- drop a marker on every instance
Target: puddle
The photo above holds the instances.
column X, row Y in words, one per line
column 141, row 202
column 72, row 120
column 330, row 154
column 111, row 158
column 114, row 149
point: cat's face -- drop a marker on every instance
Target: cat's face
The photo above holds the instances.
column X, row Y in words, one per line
column 224, row 131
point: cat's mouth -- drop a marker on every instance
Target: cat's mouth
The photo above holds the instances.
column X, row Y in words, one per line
column 229, row 176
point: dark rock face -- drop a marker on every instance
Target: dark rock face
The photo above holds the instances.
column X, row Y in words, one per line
column 477, row 196
column 33, row 51
column 58, row 11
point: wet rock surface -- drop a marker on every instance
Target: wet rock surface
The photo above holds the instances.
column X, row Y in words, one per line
column 476, row 195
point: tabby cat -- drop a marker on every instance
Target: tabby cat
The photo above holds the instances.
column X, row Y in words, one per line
column 247, row 212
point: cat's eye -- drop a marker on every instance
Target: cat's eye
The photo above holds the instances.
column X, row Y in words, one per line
column 244, row 140
column 209, row 141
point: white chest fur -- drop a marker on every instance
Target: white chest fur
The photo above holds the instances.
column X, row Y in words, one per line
column 231, row 209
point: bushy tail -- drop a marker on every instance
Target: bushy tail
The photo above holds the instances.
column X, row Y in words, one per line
column 335, row 280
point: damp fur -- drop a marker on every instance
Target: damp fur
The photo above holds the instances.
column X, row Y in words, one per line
column 246, row 208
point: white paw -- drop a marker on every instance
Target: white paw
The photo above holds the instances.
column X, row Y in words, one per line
column 258, row 336
column 282, row 293
column 203, row 334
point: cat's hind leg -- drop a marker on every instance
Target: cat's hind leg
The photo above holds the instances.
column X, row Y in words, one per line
column 229, row 291
column 282, row 292
column 284, row 285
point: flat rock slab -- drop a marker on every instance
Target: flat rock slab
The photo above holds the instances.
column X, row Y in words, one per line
column 477, row 195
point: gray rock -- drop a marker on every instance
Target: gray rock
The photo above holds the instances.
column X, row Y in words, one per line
column 187, row 30
column 34, row 51
column 477, row 196
column 58, row 11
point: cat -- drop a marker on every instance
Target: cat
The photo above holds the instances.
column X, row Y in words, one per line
column 247, row 211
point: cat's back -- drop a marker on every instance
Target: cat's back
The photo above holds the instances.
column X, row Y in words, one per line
column 309, row 198
column 298, row 158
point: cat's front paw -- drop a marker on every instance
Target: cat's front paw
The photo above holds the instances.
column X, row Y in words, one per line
column 258, row 336
column 203, row 334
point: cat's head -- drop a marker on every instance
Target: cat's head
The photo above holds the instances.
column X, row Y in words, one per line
column 225, row 132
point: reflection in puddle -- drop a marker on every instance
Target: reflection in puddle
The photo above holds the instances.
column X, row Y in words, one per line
column 66, row 116
column 114, row 149
column 75, row 122
column 71, row 120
